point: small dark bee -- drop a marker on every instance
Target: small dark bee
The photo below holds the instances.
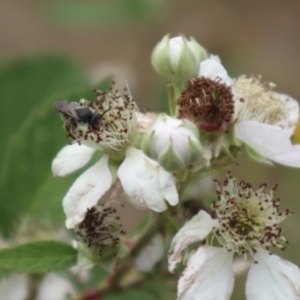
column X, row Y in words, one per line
column 78, row 112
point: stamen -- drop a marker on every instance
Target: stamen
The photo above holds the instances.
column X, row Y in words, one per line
column 100, row 229
column 260, row 103
column 111, row 122
column 209, row 103
column 248, row 219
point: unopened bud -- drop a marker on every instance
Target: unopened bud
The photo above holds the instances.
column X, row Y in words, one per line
column 173, row 143
column 177, row 58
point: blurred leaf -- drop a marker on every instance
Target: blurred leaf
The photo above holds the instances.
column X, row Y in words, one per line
column 131, row 294
column 158, row 290
column 36, row 257
column 152, row 289
column 27, row 184
column 26, row 83
column 113, row 12
column 97, row 275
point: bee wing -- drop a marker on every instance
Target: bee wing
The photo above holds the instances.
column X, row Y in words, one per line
column 66, row 108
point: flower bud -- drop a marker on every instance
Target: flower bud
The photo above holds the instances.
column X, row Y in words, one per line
column 173, row 143
column 177, row 58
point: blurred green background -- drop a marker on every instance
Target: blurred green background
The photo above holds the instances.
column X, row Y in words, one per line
column 62, row 49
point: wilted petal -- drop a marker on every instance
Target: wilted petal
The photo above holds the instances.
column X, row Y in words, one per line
column 273, row 278
column 150, row 254
column 71, row 158
column 208, row 275
column 55, row 287
column 86, row 191
column 267, row 140
column 194, row 230
column 145, row 180
column 289, row 158
column 14, row 287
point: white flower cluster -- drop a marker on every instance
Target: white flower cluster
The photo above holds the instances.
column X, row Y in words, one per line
column 154, row 155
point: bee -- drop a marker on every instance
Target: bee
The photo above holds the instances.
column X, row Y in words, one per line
column 79, row 112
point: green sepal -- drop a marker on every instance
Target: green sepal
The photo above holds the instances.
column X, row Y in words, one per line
column 147, row 144
column 170, row 160
column 257, row 157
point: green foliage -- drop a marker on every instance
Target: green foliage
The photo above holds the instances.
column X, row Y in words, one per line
column 151, row 289
column 36, row 257
column 27, row 83
column 160, row 288
column 97, row 275
column 32, row 135
column 132, row 294
column 113, row 12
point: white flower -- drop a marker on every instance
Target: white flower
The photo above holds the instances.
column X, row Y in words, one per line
column 266, row 121
column 245, row 222
column 173, row 143
column 262, row 119
column 208, row 101
column 146, row 181
column 142, row 178
column 99, row 234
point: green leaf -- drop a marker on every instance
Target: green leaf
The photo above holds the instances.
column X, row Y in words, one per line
column 31, row 135
column 39, row 256
column 27, row 184
column 26, row 83
column 112, row 13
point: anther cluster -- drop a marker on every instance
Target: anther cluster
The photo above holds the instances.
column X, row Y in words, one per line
column 248, row 220
column 117, row 124
column 209, row 103
column 101, row 229
column 259, row 101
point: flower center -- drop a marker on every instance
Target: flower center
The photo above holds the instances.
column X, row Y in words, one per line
column 105, row 123
column 259, row 102
column 209, row 103
column 248, row 219
column 100, row 230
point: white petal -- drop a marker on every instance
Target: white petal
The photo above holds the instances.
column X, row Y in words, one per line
column 14, row 287
column 241, row 265
column 55, row 287
column 150, row 254
column 145, row 180
column 267, row 140
column 273, row 278
column 289, row 158
column 86, row 191
column 292, row 107
column 71, row 158
column 208, row 275
column 194, row 230
column 213, row 68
